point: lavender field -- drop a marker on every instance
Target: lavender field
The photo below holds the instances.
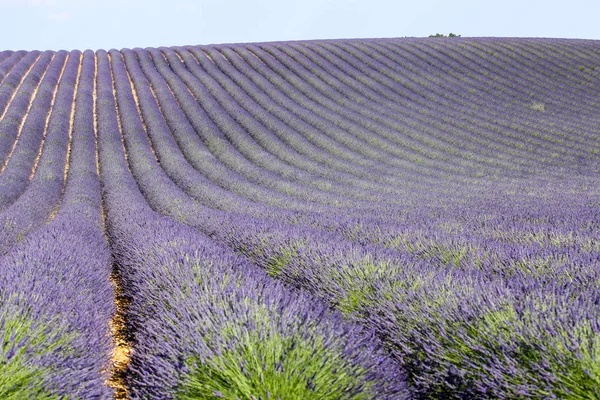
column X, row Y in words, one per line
column 343, row 219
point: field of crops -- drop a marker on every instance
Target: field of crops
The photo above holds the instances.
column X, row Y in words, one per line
column 343, row 219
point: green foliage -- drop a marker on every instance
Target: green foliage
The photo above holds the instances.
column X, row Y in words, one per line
column 442, row 35
column 22, row 341
column 278, row 262
column 358, row 280
column 573, row 357
column 581, row 378
column 263, row 364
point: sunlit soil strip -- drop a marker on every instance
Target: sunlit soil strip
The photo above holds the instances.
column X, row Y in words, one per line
column 122, row 350
column 72, row 121
column 71, row 127
column 181, row 58
column 121, row 353
column 207, row 55
column 31, row 100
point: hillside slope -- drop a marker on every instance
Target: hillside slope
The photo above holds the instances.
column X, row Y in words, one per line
column 336, row 219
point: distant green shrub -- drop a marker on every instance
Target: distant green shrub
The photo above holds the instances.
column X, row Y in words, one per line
column 442, row 35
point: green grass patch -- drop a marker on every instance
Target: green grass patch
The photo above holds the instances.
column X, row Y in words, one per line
column 22, row 341
column 263, row 364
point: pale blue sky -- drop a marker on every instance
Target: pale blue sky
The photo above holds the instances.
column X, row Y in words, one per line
column 94, row 24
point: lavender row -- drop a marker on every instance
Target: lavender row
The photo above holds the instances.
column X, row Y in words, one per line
column 477, row 288
column 4, row 55
column 56, row 299
column 167, row 126
column 380, row 89
column 340, row 121
column 403, row 181
column 524, row 100
column 333, row 183
column 403, row 174
column 563, row 77
column 333, row 68
column 300, row 188
column 9, row 62
column 15, row 173
column 23, row 88
column 242, row 137
column 264, row 185
column 161, row 193
column 446, row 293
column 488, row 104
column 473, row 63
column 43, row 194
column 205, row 70
column 288, row 109
column 486, row 321
column 239, row 334
column 461, row 62
column 14, row 75
column 425, row 105
column 159, row 134
column 349, row 169
column 356, row 107
column 292, row 65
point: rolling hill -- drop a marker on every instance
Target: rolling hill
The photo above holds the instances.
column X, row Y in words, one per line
column 338, row 219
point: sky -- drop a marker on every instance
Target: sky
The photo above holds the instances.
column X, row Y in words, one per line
column 106, row 24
